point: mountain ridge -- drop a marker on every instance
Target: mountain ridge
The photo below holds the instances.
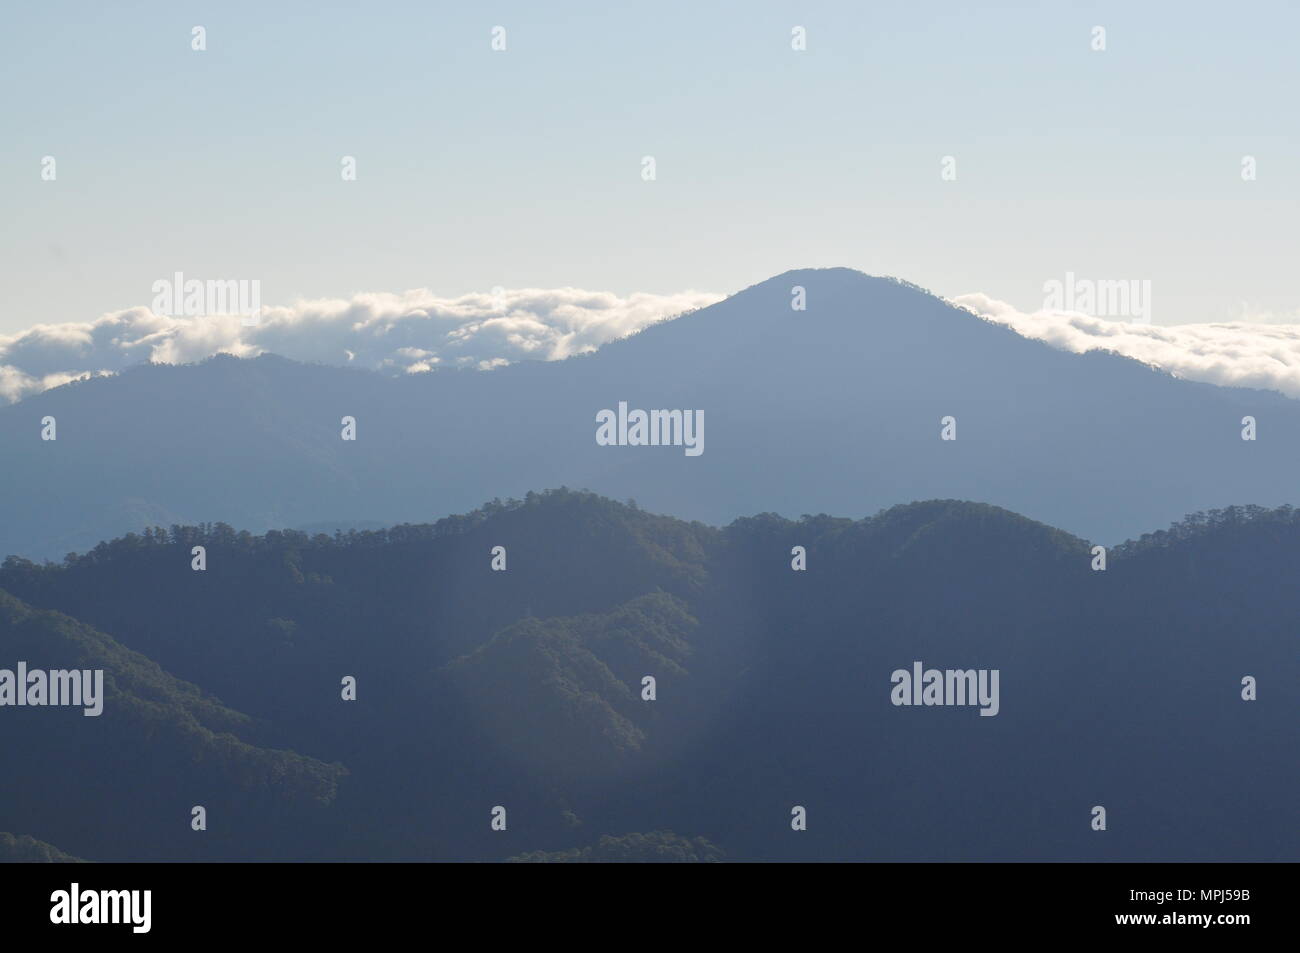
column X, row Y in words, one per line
column 837, row 408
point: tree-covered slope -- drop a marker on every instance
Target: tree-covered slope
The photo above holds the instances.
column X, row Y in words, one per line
column 122, row 783
column 524, row 687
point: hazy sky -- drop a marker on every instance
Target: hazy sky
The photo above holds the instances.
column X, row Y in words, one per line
column 522, row 168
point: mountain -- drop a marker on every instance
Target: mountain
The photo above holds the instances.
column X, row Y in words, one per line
column 835, row 408
column 524, row 688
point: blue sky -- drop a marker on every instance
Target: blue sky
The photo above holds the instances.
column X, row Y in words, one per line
column 522, row 168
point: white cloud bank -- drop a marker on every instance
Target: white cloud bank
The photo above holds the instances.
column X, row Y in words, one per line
column 406, row 333
column 1235, row 354
column 417, row 331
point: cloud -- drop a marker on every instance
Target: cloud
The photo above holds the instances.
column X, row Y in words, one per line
column 15, row 385
column 1235, row 354
column 417, row 332
column 410, row 333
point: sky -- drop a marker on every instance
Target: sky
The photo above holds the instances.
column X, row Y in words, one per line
column 522, row 168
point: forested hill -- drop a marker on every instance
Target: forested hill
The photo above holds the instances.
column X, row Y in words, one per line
column 523, row 686
column 122, row 783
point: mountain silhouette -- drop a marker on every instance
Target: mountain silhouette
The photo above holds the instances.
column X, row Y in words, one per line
column 835, row 408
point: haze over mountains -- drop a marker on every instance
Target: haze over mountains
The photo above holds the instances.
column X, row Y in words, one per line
column 836, row 408
column 523, row 688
